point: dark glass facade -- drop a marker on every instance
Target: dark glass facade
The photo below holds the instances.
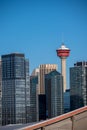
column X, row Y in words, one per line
column 15, row 89
column 42, row 106
column 54, row 94
column 33, row 98
column 78, row 85
column 67, row 101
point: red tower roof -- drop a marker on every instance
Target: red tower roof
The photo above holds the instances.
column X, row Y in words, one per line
column 63, row 51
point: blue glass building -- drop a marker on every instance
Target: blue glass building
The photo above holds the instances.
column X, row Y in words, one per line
column 67, row 101
column 33, row 98
column 78, row 85
column 54, row 94
column 15, row 89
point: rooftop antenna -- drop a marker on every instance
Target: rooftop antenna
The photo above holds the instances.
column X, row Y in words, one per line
column 62, row 38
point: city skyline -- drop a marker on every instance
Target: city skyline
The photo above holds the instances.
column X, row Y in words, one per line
column 37, row 29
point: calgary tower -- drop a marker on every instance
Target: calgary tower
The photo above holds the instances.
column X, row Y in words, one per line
column 63, row 52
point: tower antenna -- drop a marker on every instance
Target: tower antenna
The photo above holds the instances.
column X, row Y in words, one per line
column 62, row 38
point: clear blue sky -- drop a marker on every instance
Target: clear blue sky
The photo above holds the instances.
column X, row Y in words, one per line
column 38, row 27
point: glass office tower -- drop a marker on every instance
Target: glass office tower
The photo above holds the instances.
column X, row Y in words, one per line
column 15, row 89
column 33, row 98
column 54, row 94
column 78, row 85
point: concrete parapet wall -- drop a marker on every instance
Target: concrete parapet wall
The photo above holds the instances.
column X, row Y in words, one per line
column 75, row 120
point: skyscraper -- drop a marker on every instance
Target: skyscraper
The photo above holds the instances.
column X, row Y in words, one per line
column 33, row 98
column 54, row 94
column 78, row 85
column 34, row 93
column 15, row 89
column 45, row 69
column 38, row 97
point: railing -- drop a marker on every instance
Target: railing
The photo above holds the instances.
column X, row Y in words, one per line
column 75, row 120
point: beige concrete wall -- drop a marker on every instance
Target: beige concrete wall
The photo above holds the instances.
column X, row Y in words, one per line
column 78, row 122
column 45, row 69
column 63, row 71
column 75, row 120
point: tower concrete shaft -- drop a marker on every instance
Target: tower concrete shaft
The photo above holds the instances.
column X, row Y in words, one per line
column 63, row 71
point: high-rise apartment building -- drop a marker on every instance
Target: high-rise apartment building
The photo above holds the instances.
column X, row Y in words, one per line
column 54, row 94
column 78, row 85
column 15, row 89
column 44, row 69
